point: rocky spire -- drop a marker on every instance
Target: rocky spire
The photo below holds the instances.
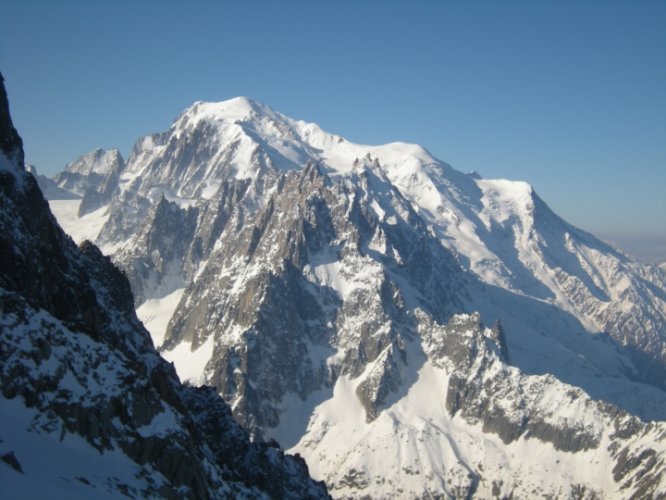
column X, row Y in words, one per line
column 10, row 142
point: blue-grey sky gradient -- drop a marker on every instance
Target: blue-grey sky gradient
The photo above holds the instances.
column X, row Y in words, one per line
column 569, row 96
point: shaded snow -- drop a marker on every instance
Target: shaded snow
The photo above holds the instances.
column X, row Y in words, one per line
column 84, row 228
column 156, row 313
column 67, row 466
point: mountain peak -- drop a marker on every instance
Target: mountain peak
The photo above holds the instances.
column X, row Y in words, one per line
column 235, row 109
column 98, row 161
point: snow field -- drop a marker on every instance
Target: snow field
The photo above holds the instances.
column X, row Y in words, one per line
column 84, row 228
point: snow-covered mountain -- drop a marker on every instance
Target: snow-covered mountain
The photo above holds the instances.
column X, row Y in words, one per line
column 93, row 177
column 88, row 407
column 336, row 295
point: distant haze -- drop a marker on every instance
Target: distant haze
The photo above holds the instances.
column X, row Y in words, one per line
column 648, row 249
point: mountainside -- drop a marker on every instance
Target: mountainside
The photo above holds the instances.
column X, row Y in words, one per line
column 93, row 177
column 89, row 408
column 336, row 295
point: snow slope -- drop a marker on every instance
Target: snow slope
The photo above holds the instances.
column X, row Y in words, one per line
column 82, row 228
column 67, row 468
column 156, row 313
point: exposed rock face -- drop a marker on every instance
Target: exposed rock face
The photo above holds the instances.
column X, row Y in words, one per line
column 327, row 290
column 82, row 373
column 158, row 257
column 283, row 302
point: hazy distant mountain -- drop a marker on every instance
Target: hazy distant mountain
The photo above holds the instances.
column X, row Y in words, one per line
column 340, row 297
column 93, row 177
column 88, row 407
column 49, row 188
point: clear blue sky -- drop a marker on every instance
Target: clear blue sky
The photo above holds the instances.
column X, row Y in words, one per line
column 569, row 96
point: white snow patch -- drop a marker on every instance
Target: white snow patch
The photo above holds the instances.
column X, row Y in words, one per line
column 163, row 424
column 155, row 314
column 84, row 228
column 378, row 209
column 210, row 188
column 191, row 365
column 156, row 193
column 329, row 275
